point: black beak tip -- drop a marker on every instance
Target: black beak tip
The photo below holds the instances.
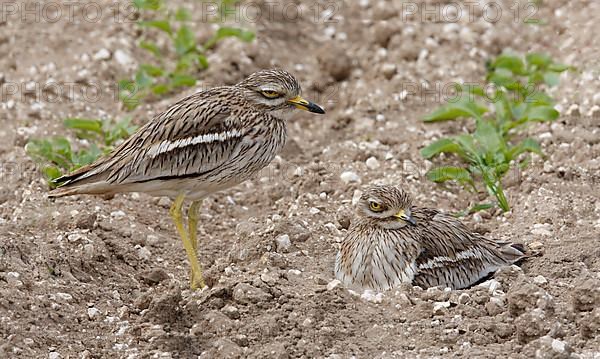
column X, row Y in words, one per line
column 316, row 108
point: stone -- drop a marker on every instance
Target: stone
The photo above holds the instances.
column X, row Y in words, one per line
column 314, row 210
column 388, row 70
column 154, row 276
column 102, row 55
column 440, row 307
column 144, row 254
column 164, row 202
column 245, row 294
column 491, row 285
column 349, row 177
column 372, row 163
column 549, row 347
column 231, row 311
column 372, row 297
column 117, row 214
column 270, row 278
column 283, row 243
column 93, row 313
column 333, row 284
column 64, row 296
column 464, row 298
column 123, row 58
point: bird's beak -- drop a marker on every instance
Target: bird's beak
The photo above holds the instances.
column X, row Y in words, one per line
column 405, row 217
column 302, row 104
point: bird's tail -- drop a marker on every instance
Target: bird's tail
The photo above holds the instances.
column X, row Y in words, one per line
column 89, row 179
column 101, row 187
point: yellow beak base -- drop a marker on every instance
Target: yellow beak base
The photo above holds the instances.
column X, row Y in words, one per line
column 305, row 105
column 407, row 218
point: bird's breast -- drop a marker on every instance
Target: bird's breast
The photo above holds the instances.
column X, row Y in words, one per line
column 377, row 258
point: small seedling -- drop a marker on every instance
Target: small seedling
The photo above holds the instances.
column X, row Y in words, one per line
column 517, row 99
column 58, row 156
column 164, row 75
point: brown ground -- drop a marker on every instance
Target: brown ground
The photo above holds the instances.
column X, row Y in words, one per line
column 85, row 277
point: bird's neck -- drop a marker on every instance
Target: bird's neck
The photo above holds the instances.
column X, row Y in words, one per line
column 283, row 114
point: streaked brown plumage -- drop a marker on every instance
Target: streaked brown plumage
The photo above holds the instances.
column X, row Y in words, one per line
column 204, row 143
column 394, row 242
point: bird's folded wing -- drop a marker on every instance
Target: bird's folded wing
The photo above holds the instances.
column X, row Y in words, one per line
column 444, row 238
column 195, row 135
column 446, row 241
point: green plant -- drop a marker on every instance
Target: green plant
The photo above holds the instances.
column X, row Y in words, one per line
column 58, row 156
column 515, row 90
column 163, row 76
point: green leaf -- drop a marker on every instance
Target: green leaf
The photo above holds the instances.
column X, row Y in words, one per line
column 162, row 25
column 185, row 62
column 449, row 173
column 538, row 98
column 114, row 131
column 183, row 14
column 501, row 169
column 184, row 40
column 242, row 34
column 466, row 143
column 147, row 4
column 142, row 79
column 85, row 157
column 152, row 70
column 461, row 108
column 472, row 89
column 223, row 32
column 502, row 107
column 538, row 59
column 480, row 207
column 440, row 146
column 160, row 89
column 503, row 78
column 501, row 197
column 535, row 78
column 560, row 67
column 151, row 47
column 129, row 94
column 488, row 136
column 202, row 62
column 83, row 124
column 527, row 145
column 56, row 150
column 551, row 78
column 182, row 80
column 512, row 63
column 541, row 113
column 51, row 173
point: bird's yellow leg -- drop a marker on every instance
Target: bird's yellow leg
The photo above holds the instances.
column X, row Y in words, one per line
column 177, row 216
column 193, row 232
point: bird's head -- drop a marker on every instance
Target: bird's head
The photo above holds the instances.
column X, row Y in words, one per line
column 387, row 206
column 276, row 91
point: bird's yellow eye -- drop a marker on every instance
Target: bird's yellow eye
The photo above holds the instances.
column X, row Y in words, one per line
column 270, row 94
column 375, row 207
